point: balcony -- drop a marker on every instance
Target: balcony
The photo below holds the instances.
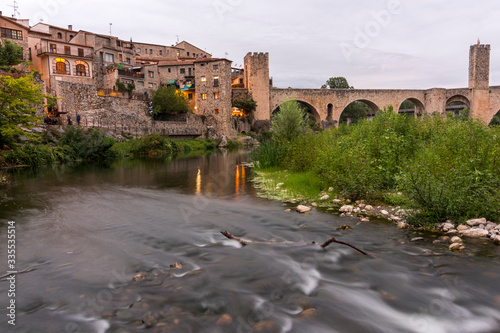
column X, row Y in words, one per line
column 64, row 51
column 123, row 72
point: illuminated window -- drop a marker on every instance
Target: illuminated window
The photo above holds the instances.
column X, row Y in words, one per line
column 203, row 79
column 216, row 95
column 53, row 48
column 151, row 74
column 216, row 81
column 204, row 96
column 81, row 68
column 178, row 53
column 190, row 96
column 61, row 66
column 9, row 33
column 216, row 111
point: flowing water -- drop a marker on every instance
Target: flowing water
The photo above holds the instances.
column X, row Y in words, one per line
column 84, row 232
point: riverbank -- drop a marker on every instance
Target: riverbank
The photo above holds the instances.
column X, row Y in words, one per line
column 303, row 190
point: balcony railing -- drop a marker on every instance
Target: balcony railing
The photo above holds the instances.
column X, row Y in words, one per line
column 61, row 50
column 124, row 72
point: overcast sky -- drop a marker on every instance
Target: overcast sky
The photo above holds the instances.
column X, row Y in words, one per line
column 373, row 43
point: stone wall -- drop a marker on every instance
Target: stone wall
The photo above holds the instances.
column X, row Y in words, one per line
column 257, row 82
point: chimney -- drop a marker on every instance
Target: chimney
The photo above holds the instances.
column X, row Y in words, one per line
column 70, row 27
column 0, row 13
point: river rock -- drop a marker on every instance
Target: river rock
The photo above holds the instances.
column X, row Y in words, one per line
column 346, row 209
column 224, row 320
column 369, row 207
column 362, row 205
column 357, row 210
column 417, row 239
column 223, row 141
column 336, row 201
column 149, row 321
column 490, row 226
column 365, row 219
column 325, row 197
column 447, row 226
column 457, row 247
column 496, row 240
column 384, row 212
column 452, row 232
column 308, row 314
column 266, row 327
column 456, row 239
column 395, row 218
column 475, row 233
column 476, row 222
column 303, row 209
column 314, row 204
column 330, row 189
column 403, row 225
column 462, row 227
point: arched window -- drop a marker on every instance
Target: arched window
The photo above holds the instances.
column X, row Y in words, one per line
column 60, row 66
column 81, row 68
column 59, row 35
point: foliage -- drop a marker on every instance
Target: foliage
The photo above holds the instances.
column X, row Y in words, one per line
column 407, row 104
column 290, row 122
column 11, row 54
column 269, row 154
column 168, row 100
column 496, row 120
column 248, row 105
column 337, row 83
column 19, row 99
column 129, row 88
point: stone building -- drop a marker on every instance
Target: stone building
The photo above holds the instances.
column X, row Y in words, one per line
column 15, row 31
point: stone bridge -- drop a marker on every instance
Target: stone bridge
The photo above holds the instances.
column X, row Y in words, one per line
column 328, row 104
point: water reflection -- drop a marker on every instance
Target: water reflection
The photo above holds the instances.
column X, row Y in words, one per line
column 198, row 182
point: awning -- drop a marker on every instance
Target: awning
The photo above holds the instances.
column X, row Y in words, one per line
column 171, row 82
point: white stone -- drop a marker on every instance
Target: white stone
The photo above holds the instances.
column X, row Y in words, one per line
column 303, row 209
column 362, row 205
column 369, row 207
column 346, row 208
column 496, row 240
column 280, row 184
column 475, row 232
column 462, row 227
column 384, row 212
column 457, row 247
column 357, row 210
column 452, row 232
column 395, row 218
column 314, row 204
column 447, row 226
column 325, row 197
column 490, row 226
column 476, row 222
column 456, row 239
column 365, row 219
column 330, row 189
column 402, row 225
column 336, row 201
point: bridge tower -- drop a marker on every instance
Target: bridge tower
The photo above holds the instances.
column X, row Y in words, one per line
column 257, row 82
column 479, row 80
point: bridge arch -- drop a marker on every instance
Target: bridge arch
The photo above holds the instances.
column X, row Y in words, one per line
column 371, row 112
column 457, row 103
column 458, row 98
column 417, row 110
column 310, row 109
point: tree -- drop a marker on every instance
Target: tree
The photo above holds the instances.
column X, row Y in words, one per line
column 355, row 112
column 19, row 99
column 338, row 82
column 290, row 122
column 248, row 105
column 168, row 100
column 11, row 54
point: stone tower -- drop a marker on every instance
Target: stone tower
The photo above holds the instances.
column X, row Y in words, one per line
column 257, row 82
column 479, row 80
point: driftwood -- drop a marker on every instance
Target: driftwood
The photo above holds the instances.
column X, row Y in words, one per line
column 324, row 245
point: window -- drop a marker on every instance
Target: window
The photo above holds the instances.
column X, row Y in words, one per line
column 67, row 50
column 60, row 66
column 140, row 83
column 169, row 70
column 188, row 54
column 182, row 71
column 80, row 52
column 161, row 52
column 154, row 84
column 150, row 51
column 71, row 36
column 81, row 68
column 53, row 48
column 203, row 79
column 151, row 74
column 138, row 50
column 150, row 85
column 109, row 57
column 203, row 96
column 178, row 53
column 216, row 67
column 59, row 35
column 216, row 111
column 127, row 61
column 216, row 81
column 10, row 33
column 216, row 95
column 190, row 96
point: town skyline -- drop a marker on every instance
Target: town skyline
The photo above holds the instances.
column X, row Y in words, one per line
column 377, row 44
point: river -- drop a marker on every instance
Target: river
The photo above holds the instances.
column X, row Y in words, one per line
column 137, row 243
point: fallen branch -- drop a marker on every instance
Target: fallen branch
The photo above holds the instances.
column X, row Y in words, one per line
column 324, row 245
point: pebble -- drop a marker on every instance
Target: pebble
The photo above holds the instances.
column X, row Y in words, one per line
column 456, row 239
column 224, row 320
column 384, row 212
column 303, row 209
column 457, row 247
column 417, row 239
